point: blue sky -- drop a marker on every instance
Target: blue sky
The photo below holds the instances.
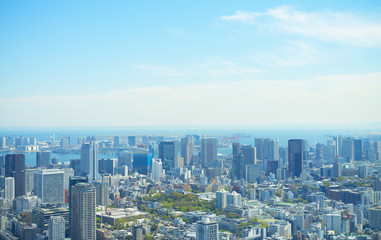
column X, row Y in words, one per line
column 124, row 63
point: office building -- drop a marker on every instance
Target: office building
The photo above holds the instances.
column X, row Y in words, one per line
column 142, row 162
column 132, row 141
column 41, row 216
column 348, row 149
column 333, row 222
column 9, row 188
column 83, row 218
column 42, row 159
column 187, row 150
column 238, row 162
column 137, row 233
column 102, row 195
column 249, row 154
column 357, row 149
column 65, row 143
column 107, row 166
column 15, row 167
column 116, row 141
column 89, row 161
column 208, row 151
column 2, row 143
column 221, row 199
column 206, row 230
column 72, row 182
column 49, row 186
column 125, row 159
column 295, row 157
column 56, row 228
column 267, row 149
column 157, row 169
column 168, row 155
column 75, row 164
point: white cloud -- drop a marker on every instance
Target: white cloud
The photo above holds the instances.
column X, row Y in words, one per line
column 326, row 26
column 338, row 99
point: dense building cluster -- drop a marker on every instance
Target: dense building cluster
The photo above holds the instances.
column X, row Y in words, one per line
column 190, row 187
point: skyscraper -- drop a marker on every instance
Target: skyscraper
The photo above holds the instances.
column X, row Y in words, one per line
column 249, row 154
column 168, row 155
column 9, row 188
column 2, row 143
column 187, row 149
column 56, row 228
column 49, row 186
column 221, row 199
column 131, row 141
column 42, row 158
column 102, row 195
column 295, row 157
column 206, row 230
column 357, row 145
column 89, row 160
column 238, row 162
column 116, row 141
column 142, row 162
column 157, row 170
column 72, row 182
column 267, row 149
column 15, row 167
column 83, row 218
column 65, row 143
column 208, row 151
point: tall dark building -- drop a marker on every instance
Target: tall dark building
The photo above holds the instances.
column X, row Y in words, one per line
column 72, row 182
column 295, row 157
column 142, row 162
column 249, row 154
column 357, row 144
column 15, row 167
column 42, row 159
column 238, row 162
column 168, row 155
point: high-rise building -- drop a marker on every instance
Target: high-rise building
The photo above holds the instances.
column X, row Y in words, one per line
column 75, row 164
column 42, row 158
column 49, row 186
column 116, row 141
column 83, row 218
column 107, row 165
column 357, row 145
column 295, row 157
column 41, row 216
column 102, row 195
column 56, row 228
column 336, row 169
column 125, row 158
column 238, row 162
column 249, row 154
column 348, row 149
column 157, row 170
column 208, row 151
column 267, row 149
column 65, row 143
column 132, row 141
column 206, row 230
column 89, row 160
column 333, row 222
column 72, row 182
column 142, row 162
column 137, row 233
column 168, row 155
column 9, row 188
column 221, row 199
column 15, row 167
column 187, row 150
column 2, row 143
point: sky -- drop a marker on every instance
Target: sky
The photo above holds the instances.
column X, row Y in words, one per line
column 189, row 63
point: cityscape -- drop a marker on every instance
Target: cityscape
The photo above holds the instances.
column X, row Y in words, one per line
column 190, row 120
column 190, row 187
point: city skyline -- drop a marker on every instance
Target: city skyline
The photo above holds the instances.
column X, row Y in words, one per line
column 102, row 64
